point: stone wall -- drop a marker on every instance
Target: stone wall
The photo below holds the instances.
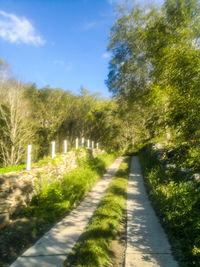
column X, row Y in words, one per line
column 17, row 188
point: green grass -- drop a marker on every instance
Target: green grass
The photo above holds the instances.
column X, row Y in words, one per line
column 12, row 168
column 56, row 197
column 176, row 199
column 93, row 247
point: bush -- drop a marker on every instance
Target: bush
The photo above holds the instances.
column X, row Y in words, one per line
column 177, row 201
column 56, row 197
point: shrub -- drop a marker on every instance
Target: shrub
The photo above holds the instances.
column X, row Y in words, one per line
column 56, row 197
column 176, row 199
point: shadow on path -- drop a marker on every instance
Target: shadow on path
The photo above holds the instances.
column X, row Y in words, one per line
column 147, row 244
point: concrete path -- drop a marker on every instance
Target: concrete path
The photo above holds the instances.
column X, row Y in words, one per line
column 147, row 244
column 53, row 248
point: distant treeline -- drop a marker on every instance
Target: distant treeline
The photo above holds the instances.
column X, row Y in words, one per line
column 29, row 115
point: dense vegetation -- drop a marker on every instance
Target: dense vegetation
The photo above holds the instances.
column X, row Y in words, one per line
column 54, row 198
column 93, row 247
column 155, row 75
column 29, row 115
column 176, row 199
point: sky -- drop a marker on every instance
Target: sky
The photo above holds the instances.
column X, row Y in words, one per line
column 59, row 43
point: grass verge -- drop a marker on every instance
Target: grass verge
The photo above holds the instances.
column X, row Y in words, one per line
column 12, row 168
column 54, row 200
column 93, row 247
column 176, row 200
column 56, row 197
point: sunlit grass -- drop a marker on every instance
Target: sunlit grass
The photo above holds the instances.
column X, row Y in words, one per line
column 12, row 168
column 56, row 197
column 93, row 247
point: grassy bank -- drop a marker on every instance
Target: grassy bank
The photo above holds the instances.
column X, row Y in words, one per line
column 93, row 247
column 12, row 168
column 176, row 199
column 56, row 197
column 54, row 200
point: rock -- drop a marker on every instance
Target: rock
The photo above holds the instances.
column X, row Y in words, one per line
column 170, row 166
column 4, row 219
column 196, row 176
column 184, row 170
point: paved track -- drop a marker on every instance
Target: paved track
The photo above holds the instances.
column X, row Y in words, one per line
column 147, row 244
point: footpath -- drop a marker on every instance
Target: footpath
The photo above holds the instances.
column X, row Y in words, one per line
column 147, row 244
column 53, row 248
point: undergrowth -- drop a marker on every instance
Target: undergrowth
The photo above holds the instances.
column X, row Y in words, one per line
column 176, row 199
column 56, row 197
column 12, row 168
column 93, row 247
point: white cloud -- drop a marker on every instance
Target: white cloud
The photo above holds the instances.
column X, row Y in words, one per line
column 142, row 3
column 111, row 2
column 89, row 25
column 106, row 55
column 18, row 30
column 66, row 66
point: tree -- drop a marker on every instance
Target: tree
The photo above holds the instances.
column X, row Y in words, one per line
column 15, row 131
column 155, row 67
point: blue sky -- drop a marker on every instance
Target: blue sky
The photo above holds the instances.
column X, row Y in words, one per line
column 60, row 43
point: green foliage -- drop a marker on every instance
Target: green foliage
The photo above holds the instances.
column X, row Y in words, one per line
column 155, row 71
column 44, row 161
column 99, row 163
column 177, row 201
column 48, row 160
column 93, row 246
column 56, row 197
column 12, row 168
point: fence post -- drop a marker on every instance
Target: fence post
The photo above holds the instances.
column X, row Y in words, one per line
column 97, row 145
column 28, row 166
column 92, row 144
column 88, row 143
column 65, row 146
column 83, row 141
column 53, row 149
column 76, row 143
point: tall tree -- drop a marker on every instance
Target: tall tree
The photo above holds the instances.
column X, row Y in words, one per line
column 15, row 121
column 155, row 63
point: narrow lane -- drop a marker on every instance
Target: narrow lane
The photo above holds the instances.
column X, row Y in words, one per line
column 147, row 243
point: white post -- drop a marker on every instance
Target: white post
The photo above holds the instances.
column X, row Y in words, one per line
column 92, row 144
column 53, row 149
column 28, row 167
column 83, row 141
column 88, row 143
column 65, row 146
column 97, row 145
column 76, row 143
